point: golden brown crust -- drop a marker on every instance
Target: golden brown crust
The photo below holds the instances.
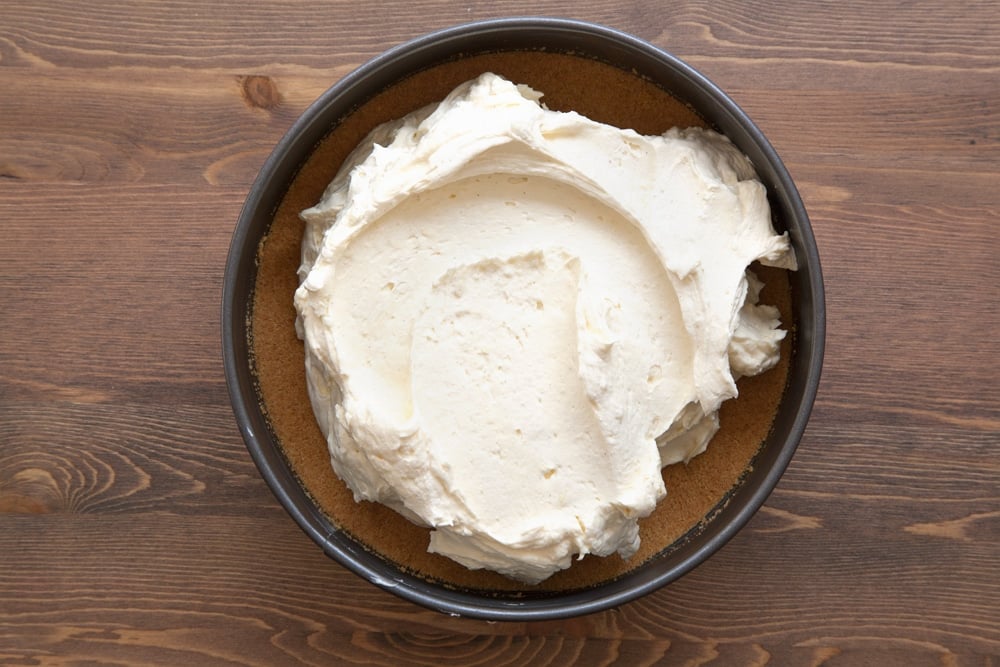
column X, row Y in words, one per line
column 603, row 93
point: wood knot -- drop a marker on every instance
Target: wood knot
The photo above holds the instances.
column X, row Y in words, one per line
column 259, row 92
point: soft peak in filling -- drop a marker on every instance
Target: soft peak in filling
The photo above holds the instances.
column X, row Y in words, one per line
column 514, row 317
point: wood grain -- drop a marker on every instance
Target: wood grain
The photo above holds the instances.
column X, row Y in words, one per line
column 135, row 530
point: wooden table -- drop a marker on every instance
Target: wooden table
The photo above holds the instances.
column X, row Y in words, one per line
column 134, row 528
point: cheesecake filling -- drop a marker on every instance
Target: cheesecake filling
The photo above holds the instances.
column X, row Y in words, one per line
column 513, row 318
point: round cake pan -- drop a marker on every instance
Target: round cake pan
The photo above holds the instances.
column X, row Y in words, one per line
column 523, row 34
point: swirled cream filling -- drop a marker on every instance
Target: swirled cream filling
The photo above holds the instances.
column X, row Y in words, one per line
column 514, row 317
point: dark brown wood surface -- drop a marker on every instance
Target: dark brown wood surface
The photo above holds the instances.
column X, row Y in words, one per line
column 134, row 528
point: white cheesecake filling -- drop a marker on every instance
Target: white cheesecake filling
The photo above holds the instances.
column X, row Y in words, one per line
column 514, row 317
